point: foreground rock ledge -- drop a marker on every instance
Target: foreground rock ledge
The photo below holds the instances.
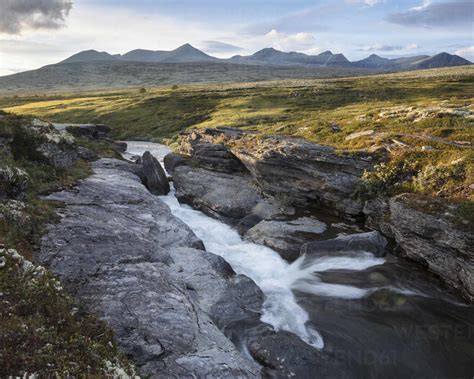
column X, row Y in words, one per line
column 121, row 251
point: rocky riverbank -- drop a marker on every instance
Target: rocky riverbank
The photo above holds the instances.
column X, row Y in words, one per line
column 263, row 184
column 119, row 250
column 174, row 308
column 122, row 250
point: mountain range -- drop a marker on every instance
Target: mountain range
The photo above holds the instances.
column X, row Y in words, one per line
column 92, row 69
column 270, row 56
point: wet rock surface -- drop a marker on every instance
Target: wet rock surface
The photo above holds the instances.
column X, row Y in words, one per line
column 286, row 237
column 432, row 238
column 119, row 250
column 371, row 242
column 425, row 231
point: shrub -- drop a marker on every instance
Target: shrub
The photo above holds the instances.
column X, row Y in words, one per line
column 386, row 178
column 436, row 178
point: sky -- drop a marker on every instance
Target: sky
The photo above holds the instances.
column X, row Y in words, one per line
column 34, row 33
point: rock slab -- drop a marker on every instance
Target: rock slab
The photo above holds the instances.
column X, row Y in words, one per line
column 119, row 249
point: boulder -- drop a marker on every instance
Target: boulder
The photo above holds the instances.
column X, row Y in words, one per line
column 370, row 242
column 121, row 146
column 42, row 141
column 13, row 183
column 173, row 160
column 224, row 196
column 216, row 157
column 154, row 177
column 91, row 131
column 282, row 354
column 58, row 155
column 86, row 154
column 286, row 237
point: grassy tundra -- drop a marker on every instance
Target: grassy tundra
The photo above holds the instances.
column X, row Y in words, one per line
column 419, row 124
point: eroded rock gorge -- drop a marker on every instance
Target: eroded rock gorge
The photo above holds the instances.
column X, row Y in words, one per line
column 284, row 175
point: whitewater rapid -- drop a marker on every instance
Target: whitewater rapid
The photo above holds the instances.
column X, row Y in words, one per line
column 276, row 278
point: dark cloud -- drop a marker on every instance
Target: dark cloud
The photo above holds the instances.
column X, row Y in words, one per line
column 16, row 15
column 219, row 47
column 446, row 14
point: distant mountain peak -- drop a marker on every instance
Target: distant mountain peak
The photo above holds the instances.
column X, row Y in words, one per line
column 267, row 50
column 187, row 47
column 90, row 56
column 442, row 60
column 270, row 56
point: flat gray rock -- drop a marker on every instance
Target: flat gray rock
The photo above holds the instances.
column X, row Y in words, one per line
column 370, row 242
column 124, row 255
column 224, row 196
column 286, row 237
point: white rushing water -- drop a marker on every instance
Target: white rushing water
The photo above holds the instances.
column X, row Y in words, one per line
column 275, row 277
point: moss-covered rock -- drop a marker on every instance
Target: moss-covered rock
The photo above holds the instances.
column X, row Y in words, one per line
column 13, row 183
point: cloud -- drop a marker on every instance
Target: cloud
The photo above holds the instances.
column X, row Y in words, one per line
column 218, row 47
column 445, row 14
column 423, row 5
column 290, row 42
column 369, row 3
column 15, row 46
column 293, row 22
column 17, row 15
column 381, row 47
column 466, row 52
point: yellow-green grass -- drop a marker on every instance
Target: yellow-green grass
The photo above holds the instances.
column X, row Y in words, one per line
column 303, row 108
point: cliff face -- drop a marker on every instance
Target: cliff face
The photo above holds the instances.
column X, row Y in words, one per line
column 293, row 174
column 425, row 231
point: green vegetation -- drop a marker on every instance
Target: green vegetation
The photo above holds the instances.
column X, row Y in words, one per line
column 424, row 117
column 42, row 329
